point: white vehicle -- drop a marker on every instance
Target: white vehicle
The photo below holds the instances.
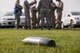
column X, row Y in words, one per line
column 9, row 20
column 71, row 19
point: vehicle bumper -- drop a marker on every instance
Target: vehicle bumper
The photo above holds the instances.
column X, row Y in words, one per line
column 8, row 23
column 11, row 23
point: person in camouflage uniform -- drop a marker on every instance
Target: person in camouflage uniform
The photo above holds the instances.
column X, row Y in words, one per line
column 52, row 15
column 34, row 18
column 27, row 13
column 44, row 7
column 59, row 10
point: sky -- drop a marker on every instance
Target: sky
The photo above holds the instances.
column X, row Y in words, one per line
column 8, row 5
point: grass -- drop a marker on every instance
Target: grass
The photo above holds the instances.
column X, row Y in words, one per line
column 67, row 41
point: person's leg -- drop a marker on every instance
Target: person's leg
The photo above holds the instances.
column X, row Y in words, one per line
column 25, row 25
column 59, row 20
column 34, row 20
column 48, row 19
column 17, row 21
column 42, row 20
column 53, row 20
column 29, row 21
column 38, row 20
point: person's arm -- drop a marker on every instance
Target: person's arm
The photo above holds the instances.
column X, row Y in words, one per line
column 20, row 7
column 53, row 5
column 26, row 3
column 59, row 4
column 39, row 6
column 32, row 3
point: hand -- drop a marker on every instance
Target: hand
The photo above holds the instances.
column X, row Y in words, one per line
column 35, row 1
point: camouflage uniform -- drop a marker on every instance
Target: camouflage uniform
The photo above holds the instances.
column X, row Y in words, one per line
column 38, row 19
column 44, row 7
column 52, row 15
column 59, row 10
column 27, row 14
column 34, row 18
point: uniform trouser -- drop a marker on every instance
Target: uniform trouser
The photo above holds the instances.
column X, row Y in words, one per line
column 17, row 22
column 59, row 16
column 45, row 14
column 34, row 20
column 38, row 20
column 27, row 21
column 53, row 20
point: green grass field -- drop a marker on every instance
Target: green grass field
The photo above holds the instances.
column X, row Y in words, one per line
column 67, row 41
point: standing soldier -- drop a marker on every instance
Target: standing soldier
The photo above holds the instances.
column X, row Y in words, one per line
column 27, row 13
column 59, row 10
column 18, row 13
column 44, row 7
column 34, row 18
column 52, row 15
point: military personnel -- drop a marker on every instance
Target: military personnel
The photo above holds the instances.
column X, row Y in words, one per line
column 34, row 18
column 59, row 10
column 44, row 7
column 17, row 12
column 27, row 13
column 52, row 15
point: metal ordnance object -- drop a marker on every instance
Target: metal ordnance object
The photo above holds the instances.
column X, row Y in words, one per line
column 39, row 41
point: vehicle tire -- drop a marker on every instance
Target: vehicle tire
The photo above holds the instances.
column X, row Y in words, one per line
column 71, row 23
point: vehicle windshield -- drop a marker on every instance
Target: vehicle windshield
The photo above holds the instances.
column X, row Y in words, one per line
column 75, row 13
column 9, row 14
